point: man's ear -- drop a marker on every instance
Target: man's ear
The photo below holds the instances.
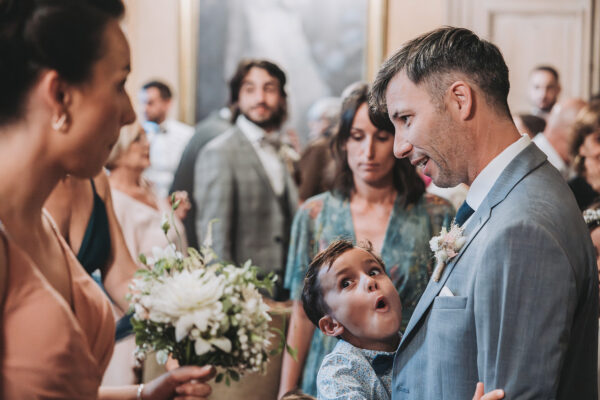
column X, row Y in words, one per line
column 330, row 326
column 461, row 100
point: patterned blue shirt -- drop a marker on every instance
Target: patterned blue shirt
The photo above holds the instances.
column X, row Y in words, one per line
column 347, row 373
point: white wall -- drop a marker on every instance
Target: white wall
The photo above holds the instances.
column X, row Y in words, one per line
column 152, row 29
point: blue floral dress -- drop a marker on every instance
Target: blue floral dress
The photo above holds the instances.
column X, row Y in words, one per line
column 405, row 252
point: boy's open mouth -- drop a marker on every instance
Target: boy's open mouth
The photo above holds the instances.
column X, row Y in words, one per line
column 381, row 304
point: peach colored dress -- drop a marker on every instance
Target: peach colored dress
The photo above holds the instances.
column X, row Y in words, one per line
column 50, row 349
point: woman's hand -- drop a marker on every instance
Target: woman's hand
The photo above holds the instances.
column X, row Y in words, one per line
column 182, row 197
column 181, row 383
column 493, row 395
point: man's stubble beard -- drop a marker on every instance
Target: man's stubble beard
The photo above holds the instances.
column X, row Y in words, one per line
column 453, row 148
column 274, row 122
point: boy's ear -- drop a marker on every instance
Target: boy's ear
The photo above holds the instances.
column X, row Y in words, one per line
column 330, row 326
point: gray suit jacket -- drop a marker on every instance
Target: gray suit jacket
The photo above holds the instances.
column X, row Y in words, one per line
column 233, row 187
column 205, row 131
column 524, row 315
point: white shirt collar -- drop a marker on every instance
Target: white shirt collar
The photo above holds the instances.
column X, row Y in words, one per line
column 553, row 157
column 253, row 132
column 487, row 177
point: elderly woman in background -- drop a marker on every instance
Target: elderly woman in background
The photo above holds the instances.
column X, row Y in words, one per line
column 63, row 71
column 139, row 210
column 585, row 149
column 377, row 197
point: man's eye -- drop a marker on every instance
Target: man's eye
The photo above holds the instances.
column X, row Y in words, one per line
column 404, row 119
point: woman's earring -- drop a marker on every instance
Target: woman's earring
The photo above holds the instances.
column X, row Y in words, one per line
column 58, row 124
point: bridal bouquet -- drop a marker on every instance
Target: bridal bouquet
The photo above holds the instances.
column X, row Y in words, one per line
column 201, row 311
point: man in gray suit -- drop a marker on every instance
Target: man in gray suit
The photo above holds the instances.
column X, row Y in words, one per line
column 206, row 130
column 517, row 307
column 242, row 177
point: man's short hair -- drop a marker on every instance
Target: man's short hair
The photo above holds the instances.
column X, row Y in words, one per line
column 547, row 68
column 436, row 57
column 235, row 84
column 313, row 300
column 163, row 89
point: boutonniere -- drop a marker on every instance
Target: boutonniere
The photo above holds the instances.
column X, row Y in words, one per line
column 445, row 247
column 288, row 153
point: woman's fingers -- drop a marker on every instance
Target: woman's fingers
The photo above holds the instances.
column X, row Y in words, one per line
column 200, row 374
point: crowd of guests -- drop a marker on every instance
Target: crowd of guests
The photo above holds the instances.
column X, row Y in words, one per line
column 84, row 185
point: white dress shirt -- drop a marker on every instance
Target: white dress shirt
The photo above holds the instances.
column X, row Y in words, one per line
column 484, row 182
column 166, row 148
column 267, row 154
column 553, row 157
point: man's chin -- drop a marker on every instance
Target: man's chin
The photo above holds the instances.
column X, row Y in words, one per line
column 444, row 182
column 265, row 123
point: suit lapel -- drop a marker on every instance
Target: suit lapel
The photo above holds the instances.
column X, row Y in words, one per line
column 478, row 220
column 525, row 162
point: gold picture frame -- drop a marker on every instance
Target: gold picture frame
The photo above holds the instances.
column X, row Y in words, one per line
column 189, row 17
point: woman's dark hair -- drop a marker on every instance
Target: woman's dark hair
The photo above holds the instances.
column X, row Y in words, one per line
column 534, row 123
column 586, row 123
column 407, row 182
column 235, row 84
column 62, row 35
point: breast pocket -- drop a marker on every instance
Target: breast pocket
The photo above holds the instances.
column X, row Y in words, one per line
column 449, row 303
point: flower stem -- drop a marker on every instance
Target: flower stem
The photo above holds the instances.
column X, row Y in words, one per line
column 188, row 350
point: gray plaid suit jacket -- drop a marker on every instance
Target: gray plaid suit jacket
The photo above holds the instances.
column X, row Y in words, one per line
column 524, row 315
column 183, row 179
column 232, row 186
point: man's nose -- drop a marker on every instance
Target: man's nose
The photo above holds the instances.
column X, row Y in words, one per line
column 259, row 95
column 402, row 149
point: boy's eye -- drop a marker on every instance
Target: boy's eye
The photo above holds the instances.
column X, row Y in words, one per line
column 345, row 283
column 375, row 271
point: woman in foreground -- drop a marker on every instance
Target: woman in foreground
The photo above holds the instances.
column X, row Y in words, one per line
column 63, row 72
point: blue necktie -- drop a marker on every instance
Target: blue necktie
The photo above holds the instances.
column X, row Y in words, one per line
column 382, row 363
column 463, row 214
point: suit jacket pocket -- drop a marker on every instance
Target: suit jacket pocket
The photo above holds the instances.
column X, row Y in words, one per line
column 450, row 302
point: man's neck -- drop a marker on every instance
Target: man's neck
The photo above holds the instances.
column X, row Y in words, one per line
column 489, row 143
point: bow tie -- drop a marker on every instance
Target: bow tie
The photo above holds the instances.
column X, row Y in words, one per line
column 272, row 140
column 382, row 363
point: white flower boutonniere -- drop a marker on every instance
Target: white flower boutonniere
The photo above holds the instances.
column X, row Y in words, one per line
column 445, row 247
